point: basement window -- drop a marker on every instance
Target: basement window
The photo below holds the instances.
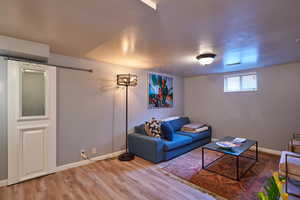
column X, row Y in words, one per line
column 240, row 82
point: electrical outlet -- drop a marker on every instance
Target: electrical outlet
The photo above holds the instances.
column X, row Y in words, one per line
column 94, row 150
column 83, row 155
column 82, row 151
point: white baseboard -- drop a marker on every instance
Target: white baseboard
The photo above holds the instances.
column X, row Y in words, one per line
column 115, row 154
column 77, row 164
column 3, row 183
column 269, row 151
column 85, row 162
column 261, row 149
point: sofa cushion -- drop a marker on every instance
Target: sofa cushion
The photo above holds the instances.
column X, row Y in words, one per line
column 178, row 123
column 167, row 131
column 178, row 141
column 196, row 136
column 140, row 129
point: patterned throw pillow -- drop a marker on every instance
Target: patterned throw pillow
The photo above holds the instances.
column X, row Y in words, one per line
column 153, row 129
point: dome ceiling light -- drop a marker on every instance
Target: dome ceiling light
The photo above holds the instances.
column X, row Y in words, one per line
column 152, row 4
column 206, row 59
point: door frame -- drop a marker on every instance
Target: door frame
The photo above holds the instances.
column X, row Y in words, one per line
column 17, row 124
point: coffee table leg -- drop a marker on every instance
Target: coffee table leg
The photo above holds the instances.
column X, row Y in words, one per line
column 202, row 158
column 237, row 168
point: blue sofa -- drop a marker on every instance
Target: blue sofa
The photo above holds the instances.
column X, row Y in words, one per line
column 157, row 149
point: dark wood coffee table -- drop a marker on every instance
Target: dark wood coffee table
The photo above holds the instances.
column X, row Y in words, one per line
column 236, row 152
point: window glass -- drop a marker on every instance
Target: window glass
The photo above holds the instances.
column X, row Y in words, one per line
column 249, row 82
column 240, row 83
column 33, row 93
column 233, row 83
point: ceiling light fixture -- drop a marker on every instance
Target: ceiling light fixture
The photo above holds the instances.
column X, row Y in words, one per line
column 150, row 3
column 206, row 59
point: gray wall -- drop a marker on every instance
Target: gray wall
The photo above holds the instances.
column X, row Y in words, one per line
column 269, row 115
column 91, row 109
column 3, row 120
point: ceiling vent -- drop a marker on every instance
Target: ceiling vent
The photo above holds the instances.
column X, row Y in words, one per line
column 24, row 49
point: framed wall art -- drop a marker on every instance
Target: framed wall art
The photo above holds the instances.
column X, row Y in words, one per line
column 160, row 91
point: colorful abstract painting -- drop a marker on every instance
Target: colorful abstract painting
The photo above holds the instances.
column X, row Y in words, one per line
column 160, row 91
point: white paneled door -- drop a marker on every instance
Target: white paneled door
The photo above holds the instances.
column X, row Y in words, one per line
column 31, row 120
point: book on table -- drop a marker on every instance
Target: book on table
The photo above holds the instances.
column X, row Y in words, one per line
column 239, row 140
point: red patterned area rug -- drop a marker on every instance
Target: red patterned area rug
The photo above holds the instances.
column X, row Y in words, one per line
column 188, row 168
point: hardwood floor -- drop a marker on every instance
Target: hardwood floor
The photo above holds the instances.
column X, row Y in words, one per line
column 105, row 180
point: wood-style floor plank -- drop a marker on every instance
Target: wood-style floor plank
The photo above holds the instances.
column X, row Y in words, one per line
column 105, row 180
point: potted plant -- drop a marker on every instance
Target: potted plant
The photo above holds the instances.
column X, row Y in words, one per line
column 274, row 189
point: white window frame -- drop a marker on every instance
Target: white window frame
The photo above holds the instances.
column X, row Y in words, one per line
column 35, row 67
column 241, row 82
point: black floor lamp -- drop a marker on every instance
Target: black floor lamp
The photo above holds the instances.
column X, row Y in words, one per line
column 126, row 80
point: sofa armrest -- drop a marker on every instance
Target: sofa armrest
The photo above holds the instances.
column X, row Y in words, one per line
column 149, row 148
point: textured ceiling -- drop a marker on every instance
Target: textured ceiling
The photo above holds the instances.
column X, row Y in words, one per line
column 254, row 33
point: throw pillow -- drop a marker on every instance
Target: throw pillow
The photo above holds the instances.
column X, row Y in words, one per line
column 167, row 131
column 152, row 128
column 147, row 129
